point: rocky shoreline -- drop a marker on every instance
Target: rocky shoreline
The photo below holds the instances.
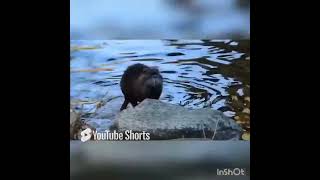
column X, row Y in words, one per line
column 164, row 121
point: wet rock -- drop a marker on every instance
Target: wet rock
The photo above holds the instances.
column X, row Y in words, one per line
column 101, row 125
column 103, row 116
column 168, row 121
column 109, row 110
column 77, row 125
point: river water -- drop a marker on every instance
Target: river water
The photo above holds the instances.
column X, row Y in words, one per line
column 197, row 73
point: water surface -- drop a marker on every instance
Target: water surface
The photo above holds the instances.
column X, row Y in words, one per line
column 197, row 73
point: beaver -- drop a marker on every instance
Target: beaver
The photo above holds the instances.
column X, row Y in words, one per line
column 139, row 82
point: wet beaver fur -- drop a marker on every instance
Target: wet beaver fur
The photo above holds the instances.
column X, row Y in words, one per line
column 139, row 82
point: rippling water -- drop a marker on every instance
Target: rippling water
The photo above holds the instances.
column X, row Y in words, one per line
column 197, row 73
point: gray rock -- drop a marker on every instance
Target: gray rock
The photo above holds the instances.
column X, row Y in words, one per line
column 101, row 125
column 168, row 121
column 77, row 125
column 104, row 116
column 110, row 109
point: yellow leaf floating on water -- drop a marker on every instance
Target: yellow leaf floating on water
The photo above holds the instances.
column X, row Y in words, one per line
column 246, row 110
column 241, row 122
column 92, row 70
column 246, row 136
column 79, row 48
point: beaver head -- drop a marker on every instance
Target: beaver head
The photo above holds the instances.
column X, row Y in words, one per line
column 140, row 82
column 150, row 82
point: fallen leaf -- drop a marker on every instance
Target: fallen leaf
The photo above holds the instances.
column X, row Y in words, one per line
column 235, row 98
column 237, row 118
column 241, row 122
column 246, row 110
column 246, row 136
column 247, row 98
column 79, row 48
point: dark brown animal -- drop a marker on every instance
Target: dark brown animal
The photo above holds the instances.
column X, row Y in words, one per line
column 139, row 82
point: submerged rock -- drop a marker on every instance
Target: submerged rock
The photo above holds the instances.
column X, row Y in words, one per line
column 168, row 121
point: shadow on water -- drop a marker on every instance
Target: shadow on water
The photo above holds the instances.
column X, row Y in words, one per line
column 197, row 73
